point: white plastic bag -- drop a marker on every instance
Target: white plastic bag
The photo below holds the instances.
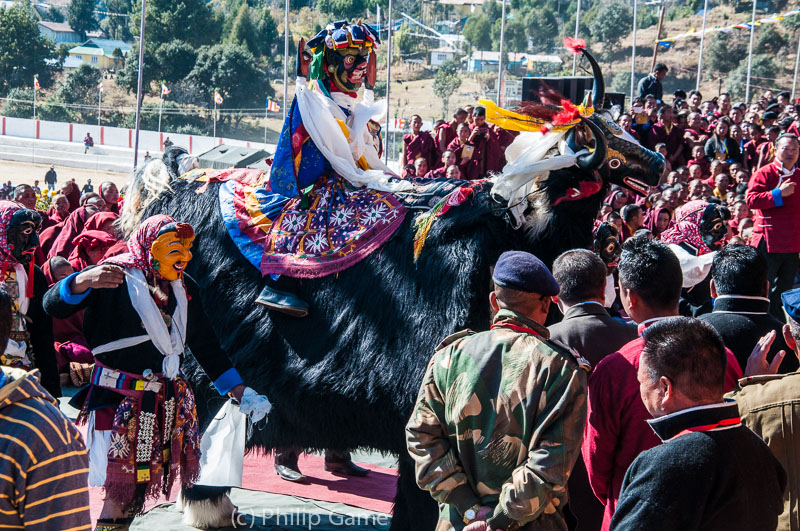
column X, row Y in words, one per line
column 222, row 448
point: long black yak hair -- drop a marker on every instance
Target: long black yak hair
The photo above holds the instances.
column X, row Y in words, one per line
column 348, row 374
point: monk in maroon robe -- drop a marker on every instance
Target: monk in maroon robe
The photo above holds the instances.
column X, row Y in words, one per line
column 446, row 132
column 467, row 155
column 490, row 142
column 664, row 131
column 418, row 144
column 448, row 159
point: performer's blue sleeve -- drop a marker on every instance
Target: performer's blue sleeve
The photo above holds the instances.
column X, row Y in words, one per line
column 228, row 381
column 66, row 294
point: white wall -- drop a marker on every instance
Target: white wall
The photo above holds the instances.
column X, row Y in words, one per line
column 113, row 136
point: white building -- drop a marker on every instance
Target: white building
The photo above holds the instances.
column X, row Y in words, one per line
column 442, row 55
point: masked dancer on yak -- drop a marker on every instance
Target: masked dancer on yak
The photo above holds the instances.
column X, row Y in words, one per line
column 141, row 311
column 389, row 267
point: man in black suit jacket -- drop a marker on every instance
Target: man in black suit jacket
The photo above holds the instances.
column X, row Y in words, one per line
column 589, row 329
column 741, row 315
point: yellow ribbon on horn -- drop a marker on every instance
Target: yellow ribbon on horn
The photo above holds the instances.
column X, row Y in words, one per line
column 514, row 121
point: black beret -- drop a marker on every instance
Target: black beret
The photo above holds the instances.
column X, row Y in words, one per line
column 524, row 272
column 769, row 115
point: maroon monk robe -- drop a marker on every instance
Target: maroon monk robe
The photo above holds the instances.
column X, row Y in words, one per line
column 751, row 154
column 445, row 134
column 491, row 142
column 469, row 165
column 438, row 173
column 672, row 137
column 74, row 225
column 421, row 145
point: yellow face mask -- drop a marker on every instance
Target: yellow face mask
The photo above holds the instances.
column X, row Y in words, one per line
column 171, row 254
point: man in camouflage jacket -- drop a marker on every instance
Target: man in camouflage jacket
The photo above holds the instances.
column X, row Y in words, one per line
column 499, row 419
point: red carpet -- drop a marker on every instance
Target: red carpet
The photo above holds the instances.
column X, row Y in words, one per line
column 375, row 492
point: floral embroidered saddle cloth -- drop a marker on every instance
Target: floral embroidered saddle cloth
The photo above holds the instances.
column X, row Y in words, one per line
column 327, row 229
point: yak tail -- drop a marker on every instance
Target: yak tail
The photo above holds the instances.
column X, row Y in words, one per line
column 423, row 225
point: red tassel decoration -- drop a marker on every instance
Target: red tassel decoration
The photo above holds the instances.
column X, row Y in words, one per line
column 29, row 287
column 574, row 45
column 568, row 114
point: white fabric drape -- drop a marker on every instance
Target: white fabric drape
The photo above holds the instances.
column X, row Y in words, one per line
column 610, row 294
column 526, row 163
column 320, row 114
column 695, row 268
column 170, row 342
column 98, row 442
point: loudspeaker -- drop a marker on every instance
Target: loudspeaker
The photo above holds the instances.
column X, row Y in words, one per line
column 573, row 88
column 614, row 98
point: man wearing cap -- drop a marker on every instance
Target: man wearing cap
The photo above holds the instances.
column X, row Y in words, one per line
column 499, row 418
column 769, row 405
column 771, row 196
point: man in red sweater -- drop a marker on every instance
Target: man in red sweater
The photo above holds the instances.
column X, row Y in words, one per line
column 616, row 430
column 776, row 229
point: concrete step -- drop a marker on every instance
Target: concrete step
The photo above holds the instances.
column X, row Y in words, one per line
column 70, row 154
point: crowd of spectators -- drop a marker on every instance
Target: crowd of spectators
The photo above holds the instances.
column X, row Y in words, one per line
column 467, row 147
column 77, row 231
column 689, row 408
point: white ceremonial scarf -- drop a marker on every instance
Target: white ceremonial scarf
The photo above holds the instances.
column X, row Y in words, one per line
column 19, row 349
column 169, row 342
column 695, row 268
column 319, row 119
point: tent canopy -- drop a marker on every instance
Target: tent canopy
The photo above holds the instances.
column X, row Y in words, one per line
column 227, row 156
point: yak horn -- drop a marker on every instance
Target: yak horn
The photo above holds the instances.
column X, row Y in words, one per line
column 593, row 160
column 599, row 88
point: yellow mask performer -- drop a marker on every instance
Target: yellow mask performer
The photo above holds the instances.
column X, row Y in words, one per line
column 171, row 252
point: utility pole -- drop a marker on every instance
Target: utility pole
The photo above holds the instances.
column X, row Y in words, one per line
column 139, row 86
column 388, row 80
column 658, row 35
column 750, row 52
column 702, row 43
column 500, row 60
column 633, row 48
column 577, row 29
column 285, row 58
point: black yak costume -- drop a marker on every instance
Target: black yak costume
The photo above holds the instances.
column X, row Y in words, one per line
column 347, row 375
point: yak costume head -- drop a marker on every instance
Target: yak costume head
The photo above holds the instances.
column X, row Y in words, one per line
column 566, row 153
column 342, row 55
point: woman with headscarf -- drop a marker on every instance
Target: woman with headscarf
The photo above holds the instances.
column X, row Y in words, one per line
column 31, row 341
column 657, row 220
column 141, row 312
